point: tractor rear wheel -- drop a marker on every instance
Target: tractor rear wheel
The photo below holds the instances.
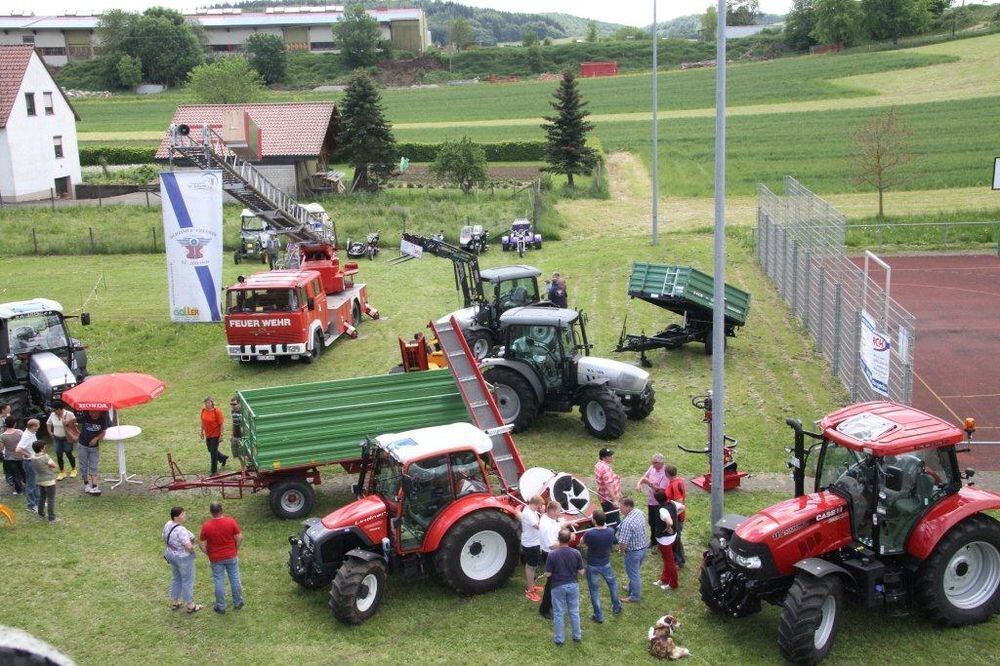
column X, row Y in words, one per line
column 480, row 343
column 357, row 590
column 603, row 413
column 810, row 618
column 639, row 411
column 515, row 397
column 479, row 552
column 959, row 583
column 291, row 500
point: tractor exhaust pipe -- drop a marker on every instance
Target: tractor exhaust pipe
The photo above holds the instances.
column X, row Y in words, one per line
column 798, row 460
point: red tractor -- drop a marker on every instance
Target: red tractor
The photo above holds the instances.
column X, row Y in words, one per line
column 889, row 525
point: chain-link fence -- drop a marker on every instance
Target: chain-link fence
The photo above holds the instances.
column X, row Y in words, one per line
column 800, row 245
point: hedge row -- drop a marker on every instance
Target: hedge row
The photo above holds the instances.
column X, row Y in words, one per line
column 91, row 155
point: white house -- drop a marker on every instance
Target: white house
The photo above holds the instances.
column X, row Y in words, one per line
column 38, row 151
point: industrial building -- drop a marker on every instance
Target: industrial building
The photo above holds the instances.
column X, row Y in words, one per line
column 72, row 37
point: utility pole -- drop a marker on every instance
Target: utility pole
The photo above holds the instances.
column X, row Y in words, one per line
column 718, row 305
column 656, row 148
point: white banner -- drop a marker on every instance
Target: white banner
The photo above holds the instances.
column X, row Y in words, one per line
column 875, row 350
column 192, row 233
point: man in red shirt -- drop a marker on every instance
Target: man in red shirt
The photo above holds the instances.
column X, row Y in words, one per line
column 677, row 492
column 220, row 539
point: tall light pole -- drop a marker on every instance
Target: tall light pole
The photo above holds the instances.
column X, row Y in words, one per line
column 656, row 147
column 718, row 306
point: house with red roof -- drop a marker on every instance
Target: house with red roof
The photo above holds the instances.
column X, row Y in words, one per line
column 38, row 151
column 296, row 138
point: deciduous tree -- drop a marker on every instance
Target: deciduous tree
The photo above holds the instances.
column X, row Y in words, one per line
column 462, row 162
column 892, row 19
column 591, row 32
column 366, row 140
column 881, row 150
column 268, row 57
column 708, row 24
column 358, row 37
column 226, row 80
column 742, row 12
column 460, row 33
column 799, row 25
column 837, row 21
column 566, row 150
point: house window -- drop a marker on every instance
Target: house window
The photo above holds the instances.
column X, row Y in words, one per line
column 57, row 143
column 29, row 101
column 27, row 39
column 47, row 103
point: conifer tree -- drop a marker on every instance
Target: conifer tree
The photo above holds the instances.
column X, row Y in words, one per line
column 366, row 139
column 566, row 148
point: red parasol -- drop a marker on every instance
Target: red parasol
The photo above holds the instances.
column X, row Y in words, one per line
column 114, row 391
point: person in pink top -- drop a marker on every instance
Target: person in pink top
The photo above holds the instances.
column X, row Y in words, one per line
column 654, row 479
column 609, row 484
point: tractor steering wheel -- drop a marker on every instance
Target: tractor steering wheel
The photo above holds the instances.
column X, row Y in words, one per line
column 24, row 333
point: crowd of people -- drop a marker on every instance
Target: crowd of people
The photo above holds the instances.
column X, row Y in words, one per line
column 546, row 543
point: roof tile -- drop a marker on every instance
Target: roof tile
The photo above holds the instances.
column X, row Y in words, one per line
column 13, row 63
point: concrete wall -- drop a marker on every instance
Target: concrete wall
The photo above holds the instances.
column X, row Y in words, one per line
column 30, row 163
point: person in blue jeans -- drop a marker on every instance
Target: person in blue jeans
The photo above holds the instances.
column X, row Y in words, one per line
column 220, row 539
column 599, row 541
column 633, row 542
column 26, row 453
column 179, row 553
column 563, row 567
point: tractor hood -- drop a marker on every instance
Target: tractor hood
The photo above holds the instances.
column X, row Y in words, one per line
column 50, row 375
column 807, row 526
column 618, row 376
column 466, row 317
column 367, row 514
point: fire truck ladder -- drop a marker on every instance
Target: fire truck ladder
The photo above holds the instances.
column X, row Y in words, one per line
column 479, row 401
column 242, row 181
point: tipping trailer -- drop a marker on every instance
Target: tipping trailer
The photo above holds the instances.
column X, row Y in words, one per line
column 290, row 432
column 685, row 291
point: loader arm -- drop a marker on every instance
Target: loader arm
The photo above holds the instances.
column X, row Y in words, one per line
column 467, row 278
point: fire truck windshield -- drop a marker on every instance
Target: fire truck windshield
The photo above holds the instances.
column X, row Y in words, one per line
column 247, row 301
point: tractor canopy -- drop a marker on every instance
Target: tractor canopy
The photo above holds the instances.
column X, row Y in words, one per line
column 427, row 442
column 888, row 429
column 539, row 316
column 504, row 273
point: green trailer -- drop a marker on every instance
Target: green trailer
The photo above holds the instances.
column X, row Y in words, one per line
column 689, row 293
column 290, row 432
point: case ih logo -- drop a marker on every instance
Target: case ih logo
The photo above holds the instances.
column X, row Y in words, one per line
column 194, row 244
column 879, row 343
column 258, row 323
column 781, row 534
column 830, row 514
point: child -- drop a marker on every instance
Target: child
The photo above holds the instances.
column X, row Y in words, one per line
column 530, row 545
column 45, row 477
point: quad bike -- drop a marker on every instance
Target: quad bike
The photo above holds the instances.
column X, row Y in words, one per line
column 520, row 238
column 731, row 475
column 369, row 248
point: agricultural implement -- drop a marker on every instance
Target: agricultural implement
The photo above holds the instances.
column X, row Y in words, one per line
column 685, row 291
column 731, row 477
column 889, row 525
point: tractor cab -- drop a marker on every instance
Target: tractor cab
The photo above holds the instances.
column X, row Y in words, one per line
column 508, row 287
column 550, row 340
column 252, row 228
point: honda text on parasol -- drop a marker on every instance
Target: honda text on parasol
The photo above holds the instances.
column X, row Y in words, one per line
column 38, row 358
column 295, row 313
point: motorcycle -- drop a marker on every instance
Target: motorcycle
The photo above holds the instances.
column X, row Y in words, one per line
column 474, row 239
column 369, row 248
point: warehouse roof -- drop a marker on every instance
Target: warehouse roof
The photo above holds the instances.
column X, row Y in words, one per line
column 292, row 129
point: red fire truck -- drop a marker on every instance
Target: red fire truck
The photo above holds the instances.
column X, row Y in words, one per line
column 295, row 313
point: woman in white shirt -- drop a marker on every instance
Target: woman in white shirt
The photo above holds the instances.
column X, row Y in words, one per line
column 665, row 533
column 179, row 553
column 531, row 545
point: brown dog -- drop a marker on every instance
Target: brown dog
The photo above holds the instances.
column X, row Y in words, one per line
column 661, row 642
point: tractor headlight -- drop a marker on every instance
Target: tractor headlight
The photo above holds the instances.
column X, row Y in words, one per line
column 745, row 561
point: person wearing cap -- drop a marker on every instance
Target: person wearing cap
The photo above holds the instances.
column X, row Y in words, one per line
column 654, row 479
column 212, row 420
column 609, row 484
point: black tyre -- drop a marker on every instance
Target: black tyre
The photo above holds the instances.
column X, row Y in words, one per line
column 810, row 618
column 293, row 499
column 706, row 591
column 357, row 590
column 317, row 349
column 603, row 414
column 515, row 397
column 637, row 411
column 356, row 314
column 480, row 342
column 236, row 257
column 479, row 553
column 959, row 583
column 397, row 369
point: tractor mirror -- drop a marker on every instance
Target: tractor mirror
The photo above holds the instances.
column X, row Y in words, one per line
column 85, row 318
column 893, row 478
column 969, row 472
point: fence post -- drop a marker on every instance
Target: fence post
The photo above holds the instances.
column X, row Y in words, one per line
column 807, row 293
column 92, row 248
column 146, row 190
column 855, row 360
column 154, row 236
column 52, row 197
column 820, row 325
column 837, row 296
column 795, row 278
column 100, row 197
column 34, row 239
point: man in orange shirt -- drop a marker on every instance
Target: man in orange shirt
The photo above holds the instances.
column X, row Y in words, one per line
column 212, row 420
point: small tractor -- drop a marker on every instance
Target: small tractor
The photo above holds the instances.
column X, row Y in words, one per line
column 38, row 357
column 251, row 247
column 486, row 294
column 441, row 500
column 889, row 525
column 544, row 367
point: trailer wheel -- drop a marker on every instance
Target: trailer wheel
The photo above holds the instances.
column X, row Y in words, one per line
column 317, row 349
column 480, row 343
column 603, row 413
column 959, row 583
column 292, row 499
column 639, row 411
column 357, row 590
column 479, row 553
column 810, row 618
column 515, row 397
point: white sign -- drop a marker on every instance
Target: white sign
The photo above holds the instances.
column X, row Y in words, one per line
column 192, row 233
column 412, row 249
column 875, row 350
column 996, row 173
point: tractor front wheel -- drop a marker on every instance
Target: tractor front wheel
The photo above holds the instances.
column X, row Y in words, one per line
column 480, row 343
column 603, row 414
column 291, row 500
column 640, row 410
column 479, row 553
column 357, row 590
column 959, row 583
column 515, row 397
column 810, row 618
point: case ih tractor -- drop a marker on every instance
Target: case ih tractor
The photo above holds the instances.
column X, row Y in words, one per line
column 544, row 367
column 889, row 525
